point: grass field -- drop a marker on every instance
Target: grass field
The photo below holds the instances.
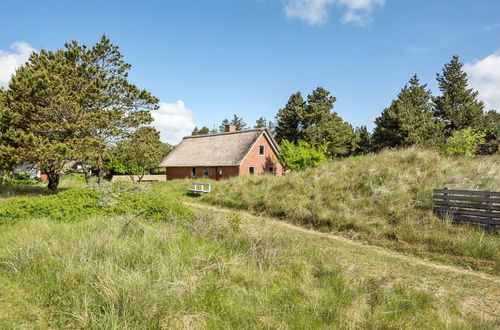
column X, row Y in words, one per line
column 137, row 256
column 383, row 199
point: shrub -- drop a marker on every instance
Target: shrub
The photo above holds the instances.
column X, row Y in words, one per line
column 301, row 156
column 77, row 204
column 464, row 142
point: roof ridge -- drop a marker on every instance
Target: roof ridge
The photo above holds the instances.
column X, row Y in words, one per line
column 225, row 133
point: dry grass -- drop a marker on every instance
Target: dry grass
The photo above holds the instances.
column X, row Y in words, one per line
column 381, row 198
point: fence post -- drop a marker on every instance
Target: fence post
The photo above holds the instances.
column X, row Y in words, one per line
column 447, row 207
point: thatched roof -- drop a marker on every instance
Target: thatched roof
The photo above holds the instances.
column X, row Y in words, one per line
column 224, row 149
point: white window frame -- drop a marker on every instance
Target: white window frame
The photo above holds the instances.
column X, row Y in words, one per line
column 206, row 173
column 263, row 149
column 254, row 168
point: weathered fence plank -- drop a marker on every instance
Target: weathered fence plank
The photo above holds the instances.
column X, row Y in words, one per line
column 465, row 205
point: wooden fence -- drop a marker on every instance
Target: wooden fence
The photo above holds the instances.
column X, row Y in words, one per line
column 467, row 205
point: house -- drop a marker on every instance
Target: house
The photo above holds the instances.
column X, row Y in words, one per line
column 223, row 155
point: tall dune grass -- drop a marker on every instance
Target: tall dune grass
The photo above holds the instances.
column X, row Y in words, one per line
column 381, row 198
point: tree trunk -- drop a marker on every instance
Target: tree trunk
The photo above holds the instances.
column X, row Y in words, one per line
column 100, row 176
column 88, row 173
column 53, row 180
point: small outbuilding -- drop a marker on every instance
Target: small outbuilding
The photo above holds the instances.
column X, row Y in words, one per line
column 223, row 155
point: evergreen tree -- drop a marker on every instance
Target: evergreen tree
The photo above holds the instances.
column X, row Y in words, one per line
column 223, row 125
column 458, row 106
column 408, row 120
column 288, row 119
column 315, row 123
column 71, row 104
column 204, row 130
column 115, row 107
column 364, row 140
column 238, row 122
column 320, row 125
column 492, row 125
column 263, row 123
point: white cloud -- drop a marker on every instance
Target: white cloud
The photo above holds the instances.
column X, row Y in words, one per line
column 174, row 121
column 315, row 12
column 11, row 60
column 484, row 76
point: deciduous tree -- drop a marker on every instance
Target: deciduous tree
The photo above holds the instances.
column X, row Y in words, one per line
column 141, row 152
column 301, row 155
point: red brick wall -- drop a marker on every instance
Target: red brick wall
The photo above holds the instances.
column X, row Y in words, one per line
column 261, row 163
column 185, row 172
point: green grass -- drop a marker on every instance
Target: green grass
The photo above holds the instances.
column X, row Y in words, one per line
column 383, row 199
column 132, row 256
column 215, row 270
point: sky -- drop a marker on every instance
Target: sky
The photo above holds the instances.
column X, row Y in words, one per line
column 207, row 60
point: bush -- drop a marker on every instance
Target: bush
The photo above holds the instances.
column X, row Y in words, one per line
column 464, row 142
column 76, row 204
column 301, row 156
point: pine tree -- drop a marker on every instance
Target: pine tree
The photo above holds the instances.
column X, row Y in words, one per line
column 204, row 130
column 458, row 106
column 320, row 125
column 261, row 123
column 315, row 123
column 492, row 125
column 115, row 107
column 238, row 122
column 364, row 140
column 408, row 120
column 288, row 119
column 223, row 125
column 70, row 104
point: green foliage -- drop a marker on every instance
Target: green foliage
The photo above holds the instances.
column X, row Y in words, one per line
column 263, row 123
column 492, row 125
column 141, row 151
column 364, row 140
column 114, row 166
column 288, row 119
column 464, row 142
column 235, row 121
column 76, row 204
column 70, row 104
column 67, row 205
column 315, row 123
column 202, row 131
column 458, row 106
column 301, row 156
column 409, row 120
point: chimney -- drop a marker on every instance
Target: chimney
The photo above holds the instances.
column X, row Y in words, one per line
column 230, row 128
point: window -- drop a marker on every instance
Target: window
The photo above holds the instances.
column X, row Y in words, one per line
column 262, row 150
column 251, row 170
column 193, row 172
column 205, row 172
column 270, row 170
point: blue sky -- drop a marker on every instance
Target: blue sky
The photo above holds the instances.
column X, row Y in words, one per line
column 206, row 60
